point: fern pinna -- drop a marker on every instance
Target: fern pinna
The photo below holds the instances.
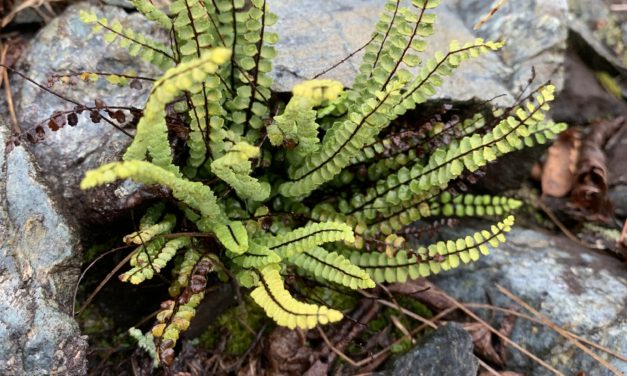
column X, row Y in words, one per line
column 327, row 183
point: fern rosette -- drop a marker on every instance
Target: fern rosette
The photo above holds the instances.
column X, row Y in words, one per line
column 327, row 184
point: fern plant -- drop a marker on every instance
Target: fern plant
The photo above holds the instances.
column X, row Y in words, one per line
column 325, row 184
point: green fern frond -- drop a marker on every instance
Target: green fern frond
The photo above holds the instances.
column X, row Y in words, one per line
column 233, row 236
column 333, row 267
column 147, row 262
column 279, row 305
column 257, row 257
column 308, row 237
column 146, row 342
column 345, row 139
column 467, row 154
column 469, row 205
column 195, row 194
column 152, row 216
column 440, row 256
column 192, row 76
column 235, row 168
column 148, row 232
column 137, row 44
column 151, row 13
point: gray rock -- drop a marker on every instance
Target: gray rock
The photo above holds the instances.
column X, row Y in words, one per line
column 580, row 290
column 616, row 150
column 315, row 35
column 618, row 197
column 446, row 352
column 39, row 265
column 585, row 20
column 67, row 45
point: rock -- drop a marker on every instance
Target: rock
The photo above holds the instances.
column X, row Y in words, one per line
column 446, row 352
column 616, row 157
column 67, row 45
column 580, row 290
column 39, row 266
column 618, row 197
column 583, row 99
column 600, row 28
column 306, row 47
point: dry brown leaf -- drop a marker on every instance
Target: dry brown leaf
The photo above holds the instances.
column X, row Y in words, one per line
column 558, row 172
column 507, row 326
column 484, row 347
column 589, row 196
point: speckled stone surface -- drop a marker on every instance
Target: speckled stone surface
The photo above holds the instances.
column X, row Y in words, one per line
column 446, row 352
column 39, row 264
column 580, row 290
column 67, row 45
column 316, row 34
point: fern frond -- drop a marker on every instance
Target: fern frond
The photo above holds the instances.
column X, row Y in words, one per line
column 233, row 236
column 345, row 139
column 137, row 44
column 175, row 316
column 422, row 262
column 146, row 342
column 152, row 215
column 333, row 267
column 235, row 168
column 148, row 232
column 196, row 32
column 468, row 154
column 253, row 52
column 257, row 257
column 151, row 136
column 272, row 296
column 469, row 205
column 305, row 238
column 150, row 261
column 151, row 13
column 195, row 194
column 183, row 272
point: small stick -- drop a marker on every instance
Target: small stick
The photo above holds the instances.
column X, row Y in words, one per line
column 558, row 329
column 490, row 14
column 502, row 336
column 538, row 321
column 336, row 351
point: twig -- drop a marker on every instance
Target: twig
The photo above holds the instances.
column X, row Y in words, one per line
column 421, row 327
column 401, row 309
column 558, row 329
column 538, row 321
column 4, row 78
column 78, row 282
column 563, row 228
column 103, row 282
column 336, row 351
column 26, row 4
column 485, row 365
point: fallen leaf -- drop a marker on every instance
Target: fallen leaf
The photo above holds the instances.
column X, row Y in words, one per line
column 559, row 168
column 589, row 196
column 482, row 339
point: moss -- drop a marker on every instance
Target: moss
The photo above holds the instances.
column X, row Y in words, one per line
column 240, row 324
